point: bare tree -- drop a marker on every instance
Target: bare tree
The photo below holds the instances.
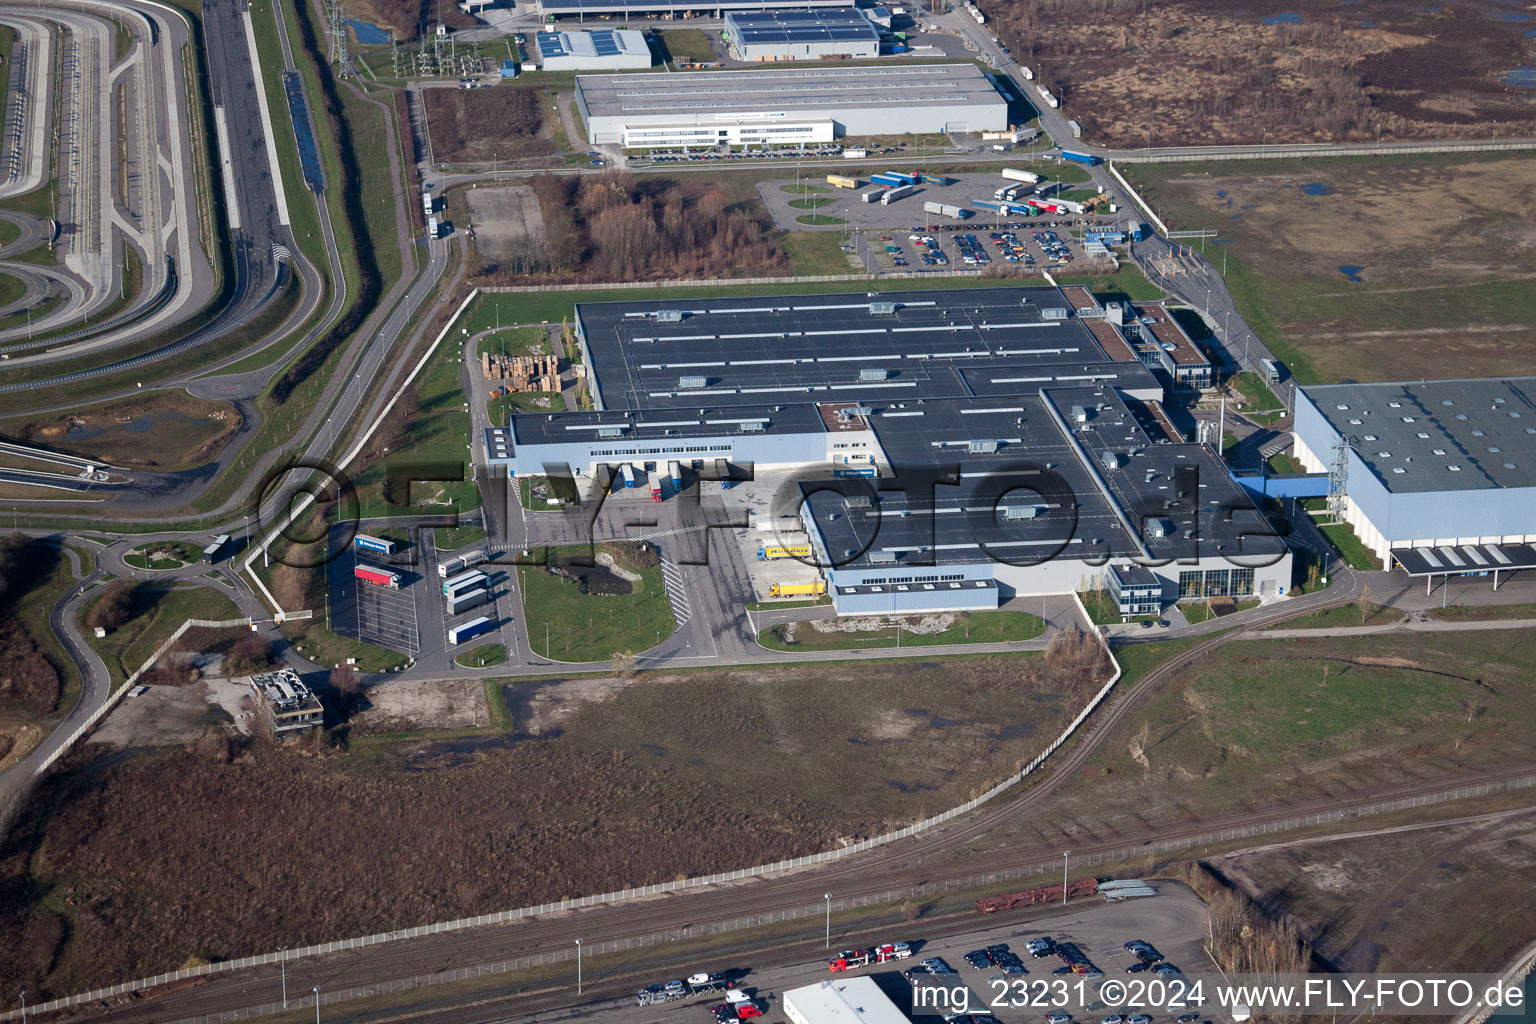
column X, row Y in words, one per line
column 113, row 607
column 346, row 683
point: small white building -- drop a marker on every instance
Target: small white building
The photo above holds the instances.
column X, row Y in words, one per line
column 839, row 33
column 603, row 49
column 845, row 1000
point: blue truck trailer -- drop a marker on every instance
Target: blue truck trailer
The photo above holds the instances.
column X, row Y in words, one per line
column 888, row 180
column 1081, row 158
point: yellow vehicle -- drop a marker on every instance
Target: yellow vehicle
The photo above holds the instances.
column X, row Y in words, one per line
column 842, row 182
column 797, row 589
column 768, row 551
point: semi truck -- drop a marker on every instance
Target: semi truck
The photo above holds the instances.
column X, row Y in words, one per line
column 655, row 488
column 379, row 544
column 934, row 179
column 456, row 565
column 855, row 154
column 1027, row 177
column 470, row 629
column 378, row 577
column 1081, row 158
column 768, row 552
column 628, row 473
column 890, row 179
column 871, row 196
column 464, row 600
column 946, row 210
column 840, row 181
column 212, row 552
column 882, row 954
column 890, row 195
column 1046, row 94
column 723, row 471
column 676, row 469
column 464, row 581
column 797, row 589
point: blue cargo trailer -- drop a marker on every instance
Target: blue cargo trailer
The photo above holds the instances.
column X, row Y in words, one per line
column 934, row 179
column 379, row 544
column 1081, row 158
column 888, row 180
column 472, row 628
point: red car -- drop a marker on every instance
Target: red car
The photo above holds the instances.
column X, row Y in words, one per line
column 746, row 1011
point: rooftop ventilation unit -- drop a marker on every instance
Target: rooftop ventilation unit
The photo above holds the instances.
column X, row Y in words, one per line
column 874, row 374
column 1053, row 313
column 1111, row 460
column 862, row 410
column 858, row 501
column 1160, row 528
column 684, row 383
column 1021, row 511
column 982, row 447
column 755, row 426
column 669, row 316
column 610, row 431
column 883, row 307
column 882, row 557
column 1079, row 414
column 1090, row 313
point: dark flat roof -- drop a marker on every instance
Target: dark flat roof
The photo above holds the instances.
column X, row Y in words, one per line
column 954, row 343
column 1466, row 558
column 620, row 6
column 657, row 424
column 833, row 25
column 1438, row 435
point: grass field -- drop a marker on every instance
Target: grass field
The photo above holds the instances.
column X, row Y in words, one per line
column 451, row 538
column 1288, row 720
column 816, row 219
column 1342, row 536
column 1344, row 615
column 968, row 628
column 164, row 554
column 565, row 624
column 514, row 341
column 500, row 408
column 749, row 765
column 21, row 728
column 166, row 430
column 157, row 612
column 482, row 657
column 1445, row 286
column 687, row 42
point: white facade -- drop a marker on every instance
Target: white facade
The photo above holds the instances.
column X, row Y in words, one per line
column 597, row 50
column 734, row 133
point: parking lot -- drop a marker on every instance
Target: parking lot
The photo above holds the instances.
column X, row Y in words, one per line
column 382, row 615
column 1022, row 245
column 1174, row 922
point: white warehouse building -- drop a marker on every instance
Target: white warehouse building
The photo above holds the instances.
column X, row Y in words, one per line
column 832, row 34
column 603, row 49
column 855, row 1000
column 787, row 105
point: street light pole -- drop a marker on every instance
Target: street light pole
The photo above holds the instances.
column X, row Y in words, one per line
column 578, row 967
column 317, row 1004
column 283, row 950
column 1066, row 856
column 828, row 898
column 23, row 1006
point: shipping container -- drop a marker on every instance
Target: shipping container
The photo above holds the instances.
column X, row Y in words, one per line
column 871, row 197
column 1273, row 371
column 1029, row 75
column 431, row 227
column 1081, row 158
column 464, row 581
column 767, row 552
column 1027, row 177
column 464, row 600
column 841, row 182
column 379, row 544
column 855, row 154
column 1077, row 129
column 628, row 472
column 899, row 192
column 378, row 577
column 212, row 552
column 472, row 628
column 428, row 205
column 934, row 179
column 676, row 469
column 1045, row 94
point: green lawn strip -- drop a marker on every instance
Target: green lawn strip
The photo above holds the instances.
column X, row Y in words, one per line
column 501, row 407
column 1200, row 611
column 496, row 703
column 1342, row 536
column 11, row 287
column 690, row 43
column 177, row 554
column 771, row 605
column 1283, row 462
column 583, row 627
column 7, row 40
column 320, row 645
column 1126, row 283
column 451, row 538
column 1483, row 612
column 482, row 656
column 818, row 219
column 1102, row 609
column 815, row 253
column 968, row 628
column 1342, row 616
column 437, row 434
column 1261, row 405
column 380, row 189
column 158, row 610
column 514, row 341
column 812, row 202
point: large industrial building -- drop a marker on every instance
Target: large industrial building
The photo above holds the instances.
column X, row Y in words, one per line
column 550, row 10
column 603, row 49
column 787, row 105
column 963, row 446
column 836, row 33
column 1436, row 477
column 855, row 1000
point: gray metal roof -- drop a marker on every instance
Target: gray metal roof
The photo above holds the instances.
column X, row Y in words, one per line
column 834, row 25
column 752, row 92
column 603, row 42
column 1438, row 435
column 654, row 424
column 623, row 6
column 953, row 343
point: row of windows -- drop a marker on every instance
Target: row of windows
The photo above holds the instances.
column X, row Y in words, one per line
column 675, row 450
column 912, row 579
column 851, row 444
column 1216, row 583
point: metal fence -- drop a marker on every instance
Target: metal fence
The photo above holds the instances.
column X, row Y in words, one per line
column 1282, row 152
column 894, row 896
column 599, row 899
column 132, row 681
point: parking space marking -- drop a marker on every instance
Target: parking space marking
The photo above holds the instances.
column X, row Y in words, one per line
column 387, row 617
column 673, row 578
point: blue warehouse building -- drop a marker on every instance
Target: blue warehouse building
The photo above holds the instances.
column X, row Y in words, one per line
column 964, row 446
column 1437, row 477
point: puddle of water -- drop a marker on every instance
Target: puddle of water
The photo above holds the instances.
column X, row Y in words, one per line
column 1316, row 188
column 1250, row 206
column 368, row 35
column 1016, row 731
column 1284, row 18
column 1353, row 273
column 1221, row 193
column 1521, row 78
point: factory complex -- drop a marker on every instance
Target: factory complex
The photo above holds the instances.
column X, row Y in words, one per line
column 595, row 50
column 787, row 105
column 1436, row 477
column 550, row 10
column 835, row 33
column 950, row 449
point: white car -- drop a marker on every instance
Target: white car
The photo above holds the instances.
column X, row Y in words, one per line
column 698, row 979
